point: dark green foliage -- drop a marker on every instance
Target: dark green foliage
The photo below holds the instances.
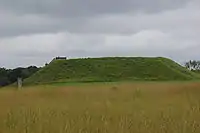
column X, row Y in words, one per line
column 8, row 76
column 196, row 71
column 4, row 77
column 110, row 69
column 193, row 65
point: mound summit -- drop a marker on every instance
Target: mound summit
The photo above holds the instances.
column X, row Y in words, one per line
column 110, row 69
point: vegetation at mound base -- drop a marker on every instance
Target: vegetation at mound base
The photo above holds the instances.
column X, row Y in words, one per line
column 110, row 69
column 9, row 76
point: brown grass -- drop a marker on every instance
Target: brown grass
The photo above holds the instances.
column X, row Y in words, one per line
column 109, row 108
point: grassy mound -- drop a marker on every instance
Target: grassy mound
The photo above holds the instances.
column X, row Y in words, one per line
column 110, row 69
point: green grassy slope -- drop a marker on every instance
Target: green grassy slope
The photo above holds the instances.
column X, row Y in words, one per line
column 110, row 69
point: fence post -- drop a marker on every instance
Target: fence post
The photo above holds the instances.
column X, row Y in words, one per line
column 19, row 83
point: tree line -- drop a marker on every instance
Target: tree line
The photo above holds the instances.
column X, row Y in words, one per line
column 9, row 76
column 193, row 65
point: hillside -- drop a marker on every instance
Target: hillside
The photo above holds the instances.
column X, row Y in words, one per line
column 110, row 69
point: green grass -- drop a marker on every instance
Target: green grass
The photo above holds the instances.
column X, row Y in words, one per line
column 111, row 69
column 140, row 107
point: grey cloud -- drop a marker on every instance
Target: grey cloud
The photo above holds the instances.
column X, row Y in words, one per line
column 16, row 25
column 117, row 23
column 187, row 18
column 72, row 8
column 41, row 48
column 35, row 31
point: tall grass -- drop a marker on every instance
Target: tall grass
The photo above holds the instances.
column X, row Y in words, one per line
column 112, row 108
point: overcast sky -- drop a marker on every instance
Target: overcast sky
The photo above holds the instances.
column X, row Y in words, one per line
column 32, row 32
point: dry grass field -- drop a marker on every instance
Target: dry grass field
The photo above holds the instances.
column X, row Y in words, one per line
column 148, row 107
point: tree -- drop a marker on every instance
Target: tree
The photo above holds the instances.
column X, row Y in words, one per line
column 9, row 76
column 193, row 65
column 3, row 77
